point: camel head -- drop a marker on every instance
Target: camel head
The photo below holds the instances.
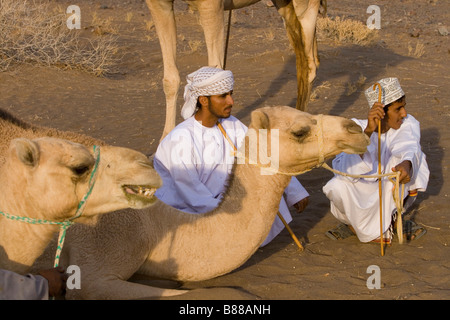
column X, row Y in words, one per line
column 301, row 141
column 47, row 178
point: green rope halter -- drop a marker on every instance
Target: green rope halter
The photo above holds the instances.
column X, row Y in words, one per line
column 64, row 225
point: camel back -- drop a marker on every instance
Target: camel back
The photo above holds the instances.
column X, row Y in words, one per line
column 6, row 117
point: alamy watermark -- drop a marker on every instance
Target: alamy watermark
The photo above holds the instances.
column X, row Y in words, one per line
column 374, row 20
column 374, row 280
column 74, row 279
column 210, row 147
column 74, row 20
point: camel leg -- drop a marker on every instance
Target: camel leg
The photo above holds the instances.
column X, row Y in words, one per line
column 104, row 271
column 212, row 21
column 107, row 288
column 316, row 52
column 323, row 7
column 296, row 37
column 164, row 18
column 308, row 19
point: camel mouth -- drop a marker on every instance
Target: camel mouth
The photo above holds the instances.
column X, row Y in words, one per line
column 354, row 149
column 142, row 192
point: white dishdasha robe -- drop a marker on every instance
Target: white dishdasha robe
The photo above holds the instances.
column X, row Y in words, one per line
column 194, row 163
column 14, row 286
column 355, row 201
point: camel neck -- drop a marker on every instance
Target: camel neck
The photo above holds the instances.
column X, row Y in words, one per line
column 225, row 237
column 22, row 243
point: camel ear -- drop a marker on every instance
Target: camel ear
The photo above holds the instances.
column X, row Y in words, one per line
column 27, row 151
column 259, row 120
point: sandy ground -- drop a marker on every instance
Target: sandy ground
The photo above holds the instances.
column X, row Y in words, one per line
column 127, row 109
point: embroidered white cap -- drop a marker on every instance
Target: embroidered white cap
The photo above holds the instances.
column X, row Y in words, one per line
column 390, row 91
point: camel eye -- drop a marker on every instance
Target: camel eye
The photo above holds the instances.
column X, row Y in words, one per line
column 80, row 170
column 302, row 133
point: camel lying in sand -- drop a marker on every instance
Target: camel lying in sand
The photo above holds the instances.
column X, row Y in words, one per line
column 46, row 178
column 163, row 242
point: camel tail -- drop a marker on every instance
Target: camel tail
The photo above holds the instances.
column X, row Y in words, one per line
column 296, row 38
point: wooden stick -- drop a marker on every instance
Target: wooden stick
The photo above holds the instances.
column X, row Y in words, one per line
column 380, row 187
column 299, row 245
column 399, row 215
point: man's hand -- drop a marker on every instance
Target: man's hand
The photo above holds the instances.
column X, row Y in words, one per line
column 56, row 278
column 301, row 205
column 405, row 171
column 376, row 113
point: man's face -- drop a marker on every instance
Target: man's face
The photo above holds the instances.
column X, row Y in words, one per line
column 395, row 114
column 221, row 105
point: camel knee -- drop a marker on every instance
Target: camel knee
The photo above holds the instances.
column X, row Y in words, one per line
column 171, row 84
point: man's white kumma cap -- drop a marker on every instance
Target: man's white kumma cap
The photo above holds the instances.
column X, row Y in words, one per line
column 390, row 88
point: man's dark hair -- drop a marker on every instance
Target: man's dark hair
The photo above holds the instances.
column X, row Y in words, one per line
column 401, row 99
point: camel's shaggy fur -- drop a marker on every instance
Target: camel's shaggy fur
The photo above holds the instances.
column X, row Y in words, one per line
column 12, row 127
column 46, row 178
column 300, row 20
column 163, row 242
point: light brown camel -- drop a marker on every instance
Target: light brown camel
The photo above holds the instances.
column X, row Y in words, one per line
column 300, row 20
column 163, row 242
column 46, row 178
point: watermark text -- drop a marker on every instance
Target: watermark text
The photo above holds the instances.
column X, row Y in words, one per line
column 74, row 20
column 374, row 280
column 374, row 20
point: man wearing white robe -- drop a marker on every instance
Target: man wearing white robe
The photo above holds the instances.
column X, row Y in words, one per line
column 48, row 283
column 355, row 201
column 195, row 160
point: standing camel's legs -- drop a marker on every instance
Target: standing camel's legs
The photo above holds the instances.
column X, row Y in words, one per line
column 300, row 20
column 297, row 39
column 164, row 18
column 308, row 19
column 212, row 21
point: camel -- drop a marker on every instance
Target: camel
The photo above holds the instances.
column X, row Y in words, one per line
column 300, row 20
column 163, row 242
column 47, row 177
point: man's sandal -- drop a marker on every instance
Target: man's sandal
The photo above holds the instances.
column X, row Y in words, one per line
column 412, row 231
column 340, row 232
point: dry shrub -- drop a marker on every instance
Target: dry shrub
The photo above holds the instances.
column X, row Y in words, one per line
column 319, row 89
column 416, row 52
column 33, row 32
column 345, row 31
column 100, row 26
column 352, row 87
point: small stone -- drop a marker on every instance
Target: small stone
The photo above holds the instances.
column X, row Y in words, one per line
column 443, row 31
column 415, row 33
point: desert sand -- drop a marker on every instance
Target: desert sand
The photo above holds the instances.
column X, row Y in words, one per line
column 127, row 108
